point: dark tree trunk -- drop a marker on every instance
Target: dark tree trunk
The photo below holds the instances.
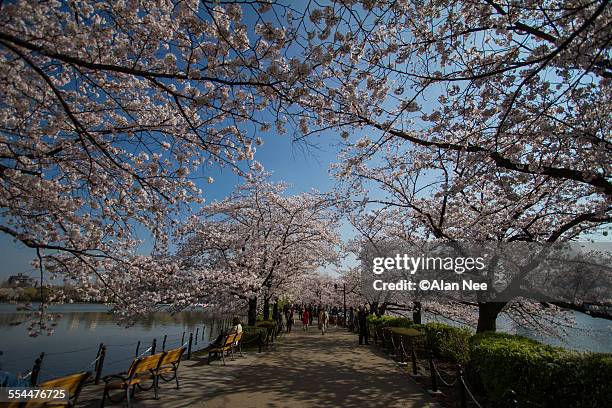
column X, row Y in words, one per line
column 252, row 311
column 382, row 309
column 266, row 308
column 416, row 314
column 487, row 316
column 275, row 310
column 374, row 308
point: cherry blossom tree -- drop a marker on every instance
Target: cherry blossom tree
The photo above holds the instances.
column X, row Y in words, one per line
column 350, row 280
column 420, row 195
column 314, row 288
column 110, row 115
column 520, row 86
column 259, row 243
column 326, row 289
column 475, row 120
column 112, row 112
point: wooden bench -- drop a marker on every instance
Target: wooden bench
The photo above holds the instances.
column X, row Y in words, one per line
column 73, row 384
column 226, row 346
column 141, row 370
column 169, row 364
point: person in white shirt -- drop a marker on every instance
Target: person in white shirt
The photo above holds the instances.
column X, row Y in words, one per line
column 237, row 328
column 323, row 320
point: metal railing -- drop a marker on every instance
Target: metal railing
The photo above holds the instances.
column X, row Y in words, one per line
column 393, row 345
column 103, row 351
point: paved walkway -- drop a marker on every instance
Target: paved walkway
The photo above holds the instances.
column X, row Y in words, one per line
column 303, row 370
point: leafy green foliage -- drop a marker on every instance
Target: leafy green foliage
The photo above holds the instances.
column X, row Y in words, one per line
column 447, row 342
column 266, row 323
column 378, row 322
column 541, row 375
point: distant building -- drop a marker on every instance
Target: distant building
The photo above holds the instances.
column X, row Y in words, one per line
column 20, row 281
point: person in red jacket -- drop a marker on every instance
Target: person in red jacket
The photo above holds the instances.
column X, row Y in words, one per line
column 306, row 319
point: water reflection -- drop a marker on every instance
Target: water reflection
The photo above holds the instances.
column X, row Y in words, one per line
column 82, row 328
column 588, row 334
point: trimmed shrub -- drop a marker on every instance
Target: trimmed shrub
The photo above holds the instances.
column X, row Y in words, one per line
column 541, row 375
column 447, row 342
column 377, row 322
column 400, row 322
column 266, row 323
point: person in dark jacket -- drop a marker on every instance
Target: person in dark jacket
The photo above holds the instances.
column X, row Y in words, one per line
column 290, row 320
column 350, row 319
column 362, row 318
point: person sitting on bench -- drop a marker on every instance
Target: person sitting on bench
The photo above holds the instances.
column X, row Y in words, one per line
column 236, row 328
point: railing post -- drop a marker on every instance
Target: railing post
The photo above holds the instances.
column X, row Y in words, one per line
column 197, row 335
column 153, row 346
column 137, row 348
column 414, row 361
column 164, row 342
column 462, row 394
column 183, row 339
column 393, row 353
column 36, row 369
column 434, row 380
column 100, row 362
column 189, row 347
column 203, row 331
column 512, row 401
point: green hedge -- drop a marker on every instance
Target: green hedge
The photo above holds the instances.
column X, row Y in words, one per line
column 541, row 375
column 447, row 342
column 378, row 322
column 266, row 323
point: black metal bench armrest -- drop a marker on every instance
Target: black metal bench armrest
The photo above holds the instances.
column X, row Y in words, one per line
column 120, row 376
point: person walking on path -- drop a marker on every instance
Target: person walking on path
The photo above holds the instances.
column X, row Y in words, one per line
column 306, row 319
column 281, row 321
column 290, row 320
column 323, row 319
column 349, row 319
column 334, row 316
column 362, row 318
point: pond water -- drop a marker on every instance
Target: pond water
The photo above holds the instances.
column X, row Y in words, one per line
column 82, row 327
column 589, row 334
